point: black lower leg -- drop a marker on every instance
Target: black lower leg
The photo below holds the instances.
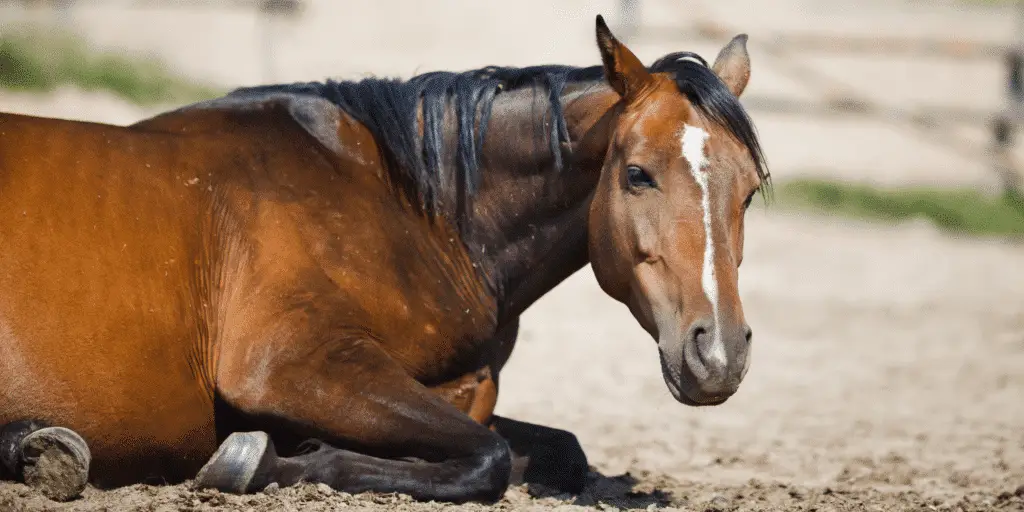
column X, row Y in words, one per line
column 11, row 436
column 544, row 455
column 53, row 460
column 450, row 481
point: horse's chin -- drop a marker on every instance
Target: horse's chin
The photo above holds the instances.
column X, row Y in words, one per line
column 676, row 390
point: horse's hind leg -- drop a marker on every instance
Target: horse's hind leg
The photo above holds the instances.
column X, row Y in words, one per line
column 52, row 460
column 11, row 436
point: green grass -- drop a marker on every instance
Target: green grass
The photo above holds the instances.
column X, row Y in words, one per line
column 966, row 212
column 42, row 62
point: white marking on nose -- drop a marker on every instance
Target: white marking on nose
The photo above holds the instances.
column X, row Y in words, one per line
column 693, row 139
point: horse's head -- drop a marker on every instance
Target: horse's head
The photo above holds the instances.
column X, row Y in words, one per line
column 666, row 222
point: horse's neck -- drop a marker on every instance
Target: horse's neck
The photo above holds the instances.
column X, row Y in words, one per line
column 529, row 220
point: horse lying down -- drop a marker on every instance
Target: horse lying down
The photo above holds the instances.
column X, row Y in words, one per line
column 323, row 281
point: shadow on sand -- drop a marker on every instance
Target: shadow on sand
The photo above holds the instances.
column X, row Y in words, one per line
column 621, row 491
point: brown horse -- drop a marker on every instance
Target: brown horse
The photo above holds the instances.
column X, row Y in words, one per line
column 324, row 280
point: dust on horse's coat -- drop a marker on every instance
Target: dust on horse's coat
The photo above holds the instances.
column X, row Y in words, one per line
column 347, row 262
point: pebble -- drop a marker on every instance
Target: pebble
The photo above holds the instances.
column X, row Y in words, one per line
column 718, row 503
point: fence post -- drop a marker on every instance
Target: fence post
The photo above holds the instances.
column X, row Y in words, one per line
column 1012, row 117
column 270, row 12
column 63, row 8
column 629, row 14
column 267, row 50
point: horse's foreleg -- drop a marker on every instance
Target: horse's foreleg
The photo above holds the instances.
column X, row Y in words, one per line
column 540, row 455
column 353, row 395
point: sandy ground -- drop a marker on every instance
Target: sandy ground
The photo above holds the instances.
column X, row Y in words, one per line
column 888, row 364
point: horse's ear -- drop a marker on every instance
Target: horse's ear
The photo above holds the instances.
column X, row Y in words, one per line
column 733, row 65
column 625, row 73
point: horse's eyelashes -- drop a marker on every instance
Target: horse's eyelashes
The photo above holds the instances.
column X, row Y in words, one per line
column 746, row 203
column 638, row 178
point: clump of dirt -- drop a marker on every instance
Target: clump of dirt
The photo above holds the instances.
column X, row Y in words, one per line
column 892, row 469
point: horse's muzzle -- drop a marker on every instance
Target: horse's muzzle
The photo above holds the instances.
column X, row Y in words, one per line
column 706, row 366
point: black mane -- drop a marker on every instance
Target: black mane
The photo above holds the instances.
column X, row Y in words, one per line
column 389, row 108
column 712, row 98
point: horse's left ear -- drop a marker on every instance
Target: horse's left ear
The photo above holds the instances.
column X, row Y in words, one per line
column 625, row 73
column 733, row 65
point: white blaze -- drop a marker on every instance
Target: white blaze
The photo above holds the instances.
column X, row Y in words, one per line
column 693, row 139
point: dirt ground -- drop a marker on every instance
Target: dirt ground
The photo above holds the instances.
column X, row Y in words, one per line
column 888, row 361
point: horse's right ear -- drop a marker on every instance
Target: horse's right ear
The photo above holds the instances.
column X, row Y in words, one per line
column 625, row 73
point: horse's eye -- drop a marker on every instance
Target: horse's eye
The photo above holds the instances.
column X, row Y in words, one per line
column 638, row 178
column 746, row 204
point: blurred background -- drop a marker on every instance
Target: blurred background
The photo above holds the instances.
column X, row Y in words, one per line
column 885, row 282
column 920, row 81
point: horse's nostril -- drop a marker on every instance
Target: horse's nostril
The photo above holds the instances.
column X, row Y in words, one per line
column 748, row 334
column 702, row 340
column 699, row 332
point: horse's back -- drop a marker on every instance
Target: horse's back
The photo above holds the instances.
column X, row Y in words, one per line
column 100, row 228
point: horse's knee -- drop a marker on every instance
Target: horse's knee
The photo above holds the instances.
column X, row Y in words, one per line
column 489, row 471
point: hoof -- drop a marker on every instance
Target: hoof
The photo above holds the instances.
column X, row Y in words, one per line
column 55, row 461
column 233, row 466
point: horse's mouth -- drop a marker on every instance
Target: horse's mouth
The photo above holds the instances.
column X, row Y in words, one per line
column 674, row 381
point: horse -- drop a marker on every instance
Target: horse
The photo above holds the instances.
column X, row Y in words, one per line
column 321, row 282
